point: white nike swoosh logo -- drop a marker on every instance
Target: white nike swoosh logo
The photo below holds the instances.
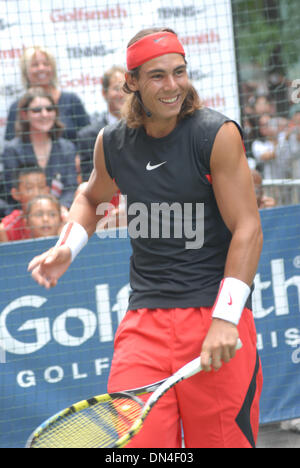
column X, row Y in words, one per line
column 150, row 168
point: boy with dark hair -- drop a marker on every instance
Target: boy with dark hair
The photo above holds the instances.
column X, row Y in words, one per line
column 29, row 182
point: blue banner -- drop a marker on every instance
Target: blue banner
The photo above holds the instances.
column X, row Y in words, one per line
column 276, row 306
column 56, row 346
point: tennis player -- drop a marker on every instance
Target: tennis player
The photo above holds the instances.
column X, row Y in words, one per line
column 189, row 297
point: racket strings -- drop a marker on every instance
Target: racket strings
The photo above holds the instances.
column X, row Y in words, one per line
column 100, row 425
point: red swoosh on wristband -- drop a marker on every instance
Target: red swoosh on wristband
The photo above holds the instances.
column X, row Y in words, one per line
column 67, row 234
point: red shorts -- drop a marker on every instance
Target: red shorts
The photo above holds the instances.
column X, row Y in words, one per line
column 216, row 409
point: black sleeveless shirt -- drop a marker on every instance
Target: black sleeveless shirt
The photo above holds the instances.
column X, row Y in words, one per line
column 178, row 237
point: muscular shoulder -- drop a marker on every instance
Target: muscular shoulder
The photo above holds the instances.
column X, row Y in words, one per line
column 229, row 136
column 228, row 143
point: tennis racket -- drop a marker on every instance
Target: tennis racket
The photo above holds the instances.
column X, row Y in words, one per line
column 109, row 420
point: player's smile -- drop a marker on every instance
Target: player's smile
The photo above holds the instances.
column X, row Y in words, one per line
column 170, row 101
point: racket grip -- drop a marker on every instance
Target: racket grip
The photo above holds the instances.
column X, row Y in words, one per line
column 193, row 367
column 239, row 344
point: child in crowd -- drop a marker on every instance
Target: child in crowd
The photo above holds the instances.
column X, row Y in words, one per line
column 44, row 217
column 29, row 182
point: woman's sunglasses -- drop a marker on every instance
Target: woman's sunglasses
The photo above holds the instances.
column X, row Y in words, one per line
column 38, row 110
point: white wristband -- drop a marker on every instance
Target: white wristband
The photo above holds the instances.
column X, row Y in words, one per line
column 231, row 300
column 73, row 236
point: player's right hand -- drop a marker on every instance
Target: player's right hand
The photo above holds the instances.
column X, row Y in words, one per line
column 46, row 269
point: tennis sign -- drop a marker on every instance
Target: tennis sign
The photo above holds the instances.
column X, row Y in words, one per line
column 58, row 344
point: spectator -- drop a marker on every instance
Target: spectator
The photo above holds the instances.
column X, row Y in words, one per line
column 268, row 149
column 263, row 201
column 29, row 183
column 38, row 142
column 293, row 137
column 43, row 216
column 289, row 150
column 263, row 105
column 38, row 68
column 112, row 84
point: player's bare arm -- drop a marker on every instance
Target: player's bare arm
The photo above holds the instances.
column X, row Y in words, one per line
column 47, row 268
column 234, row 192
column 235, row 195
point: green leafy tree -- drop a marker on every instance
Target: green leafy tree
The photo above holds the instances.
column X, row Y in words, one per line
column 262, row 26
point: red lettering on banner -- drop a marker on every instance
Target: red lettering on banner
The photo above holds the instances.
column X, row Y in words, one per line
column 205, row 38
column 82, row 81
column 214, row 101
column 78, row 14
column 11, row 53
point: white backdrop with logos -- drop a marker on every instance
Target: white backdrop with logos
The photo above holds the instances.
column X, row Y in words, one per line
column 88, row 37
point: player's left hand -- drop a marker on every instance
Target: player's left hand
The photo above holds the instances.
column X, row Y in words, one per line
column 219, row 345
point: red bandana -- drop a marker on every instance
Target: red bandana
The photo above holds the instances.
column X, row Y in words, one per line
column 152, row 46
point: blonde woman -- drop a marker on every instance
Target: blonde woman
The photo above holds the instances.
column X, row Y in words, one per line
column 38, row 69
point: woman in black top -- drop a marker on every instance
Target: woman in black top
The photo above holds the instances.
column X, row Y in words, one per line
column 38, row 142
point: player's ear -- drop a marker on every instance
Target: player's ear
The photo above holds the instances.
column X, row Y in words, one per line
column 131, row 82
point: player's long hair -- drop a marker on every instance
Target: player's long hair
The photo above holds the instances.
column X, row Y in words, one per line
column 133, row 111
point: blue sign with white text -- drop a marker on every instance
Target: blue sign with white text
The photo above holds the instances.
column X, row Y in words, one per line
column 56, row 346
column 276, row 306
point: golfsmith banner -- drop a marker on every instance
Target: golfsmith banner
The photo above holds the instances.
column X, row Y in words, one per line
column 57, row 345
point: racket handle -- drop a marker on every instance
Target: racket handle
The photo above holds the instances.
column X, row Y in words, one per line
column 193, row 367
column 190, row 369
column 239, row 344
